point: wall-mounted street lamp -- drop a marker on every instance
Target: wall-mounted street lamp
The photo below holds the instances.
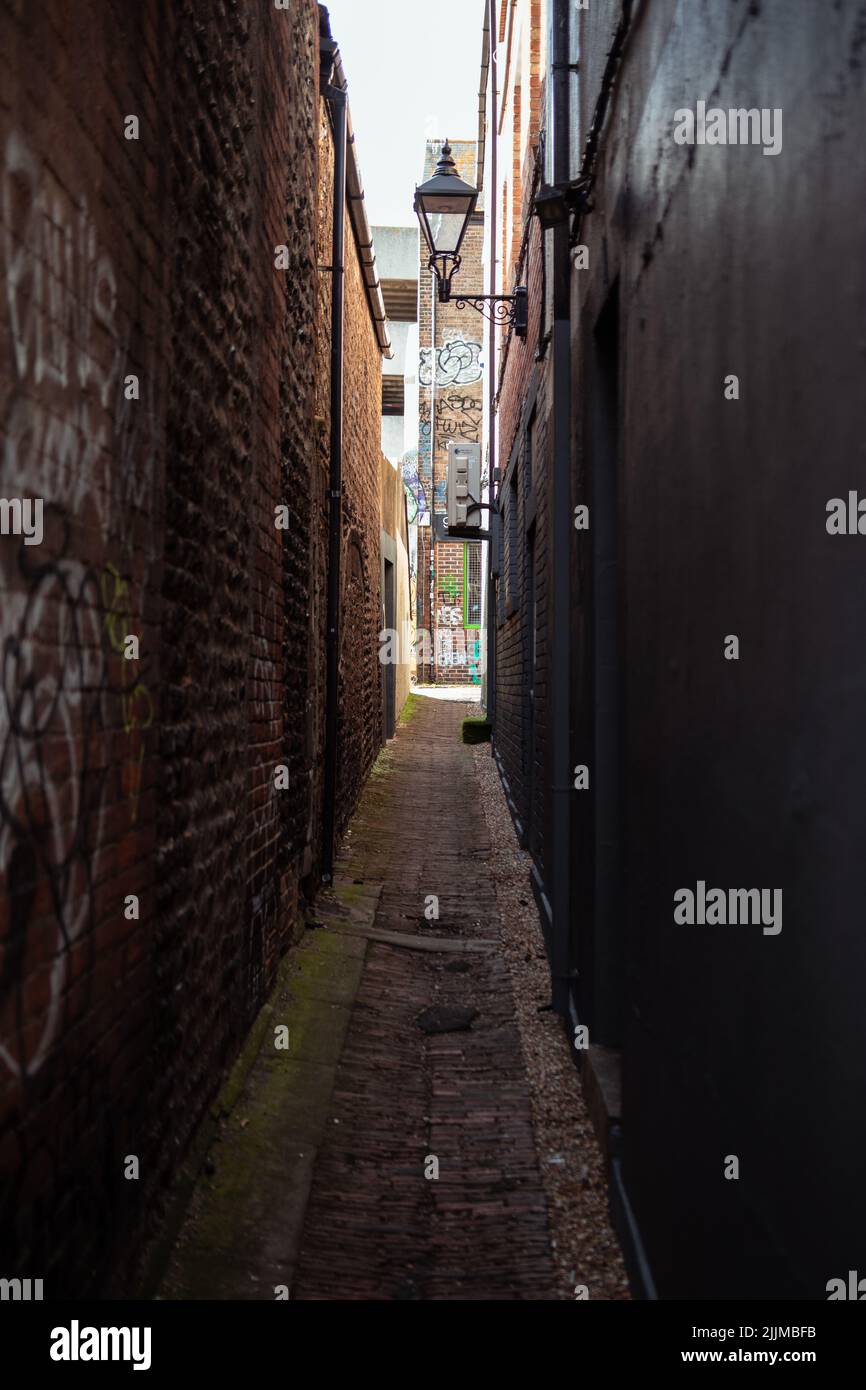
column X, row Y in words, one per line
column 556, row 203
column 444, row 205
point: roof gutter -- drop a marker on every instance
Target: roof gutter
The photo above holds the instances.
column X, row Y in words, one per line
column 482, row 102
column 357, row 207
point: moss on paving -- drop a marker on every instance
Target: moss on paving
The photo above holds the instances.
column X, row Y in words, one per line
column 349, row 893
column 409, row 710
column 265, row 1125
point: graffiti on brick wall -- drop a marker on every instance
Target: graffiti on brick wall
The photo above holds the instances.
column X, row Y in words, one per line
column 411, row 506
column 52, row 808
column 458, row 363
column 73, row 433
column 414, row 485
column 456, row 648
column 425, row 460
column 449, row 615
column 72, row 438
column 448, row 586
column 458, row 416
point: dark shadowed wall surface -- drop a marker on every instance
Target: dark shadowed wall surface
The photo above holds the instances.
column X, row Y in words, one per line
column 708, row 521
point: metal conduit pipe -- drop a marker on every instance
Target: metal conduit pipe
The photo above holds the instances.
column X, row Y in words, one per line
column 337, row 102
column 492, row 203
column 560, row 961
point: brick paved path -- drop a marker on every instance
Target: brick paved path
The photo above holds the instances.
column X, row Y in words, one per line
column 375, row 1227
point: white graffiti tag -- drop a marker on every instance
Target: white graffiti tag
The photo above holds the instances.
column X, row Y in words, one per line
column 458, row 363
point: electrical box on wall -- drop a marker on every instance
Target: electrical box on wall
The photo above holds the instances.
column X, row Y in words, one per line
column 464, row 484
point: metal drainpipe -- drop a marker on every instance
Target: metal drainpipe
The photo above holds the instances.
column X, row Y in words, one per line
column 433, row 291
column 337, row 100
column 560, row 964
column 493, row 203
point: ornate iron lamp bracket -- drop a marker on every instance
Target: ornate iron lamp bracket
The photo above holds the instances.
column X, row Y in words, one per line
column 507, row 309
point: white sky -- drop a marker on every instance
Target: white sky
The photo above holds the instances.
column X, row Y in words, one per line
column 413, row 68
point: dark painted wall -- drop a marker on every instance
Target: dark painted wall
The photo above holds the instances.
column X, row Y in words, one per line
column 747, row 773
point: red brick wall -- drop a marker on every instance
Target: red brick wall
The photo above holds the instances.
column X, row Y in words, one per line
column 235, row 589
column 360, row 692
column 525, row 487
column 154, row 778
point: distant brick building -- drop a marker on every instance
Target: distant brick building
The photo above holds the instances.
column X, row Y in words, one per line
column 451, row 406
column 166, row 188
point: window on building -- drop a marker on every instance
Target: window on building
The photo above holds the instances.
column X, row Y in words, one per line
column 472, row 584
column 393, row 394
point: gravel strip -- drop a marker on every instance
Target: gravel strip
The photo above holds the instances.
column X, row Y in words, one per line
column 585, row 1248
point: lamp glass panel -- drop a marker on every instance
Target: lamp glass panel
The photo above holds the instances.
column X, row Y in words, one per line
column 446, row 229
column 448, row 202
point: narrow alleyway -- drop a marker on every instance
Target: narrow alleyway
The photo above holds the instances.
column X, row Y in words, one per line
column 317, row 1179
column 346, row 385
column 375, row 1226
